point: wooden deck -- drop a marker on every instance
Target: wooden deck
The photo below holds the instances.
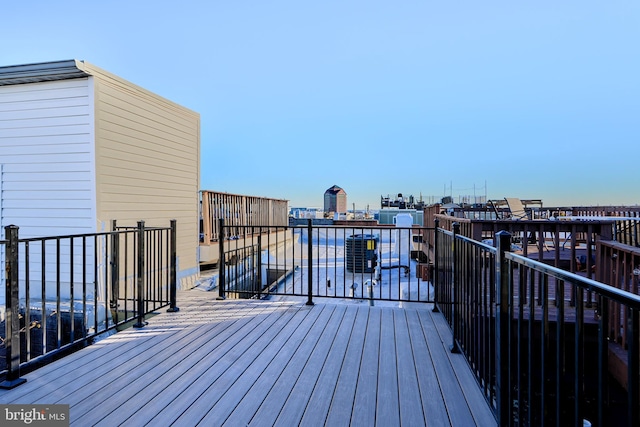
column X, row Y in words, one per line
column 263, row 363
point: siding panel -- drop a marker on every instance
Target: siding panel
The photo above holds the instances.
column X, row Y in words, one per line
column 26, row 95
column 50, row 130
column 147, row 162
column 46, row 137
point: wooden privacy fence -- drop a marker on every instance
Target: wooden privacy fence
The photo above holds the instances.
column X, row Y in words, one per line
column 239, row 214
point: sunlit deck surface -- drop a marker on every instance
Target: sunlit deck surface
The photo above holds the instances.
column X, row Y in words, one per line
column 247, row 362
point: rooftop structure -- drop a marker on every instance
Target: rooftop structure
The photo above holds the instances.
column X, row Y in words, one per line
column 82, row 147
column 401, row 202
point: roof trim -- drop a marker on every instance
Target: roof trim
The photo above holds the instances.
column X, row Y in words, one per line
column 41, row 72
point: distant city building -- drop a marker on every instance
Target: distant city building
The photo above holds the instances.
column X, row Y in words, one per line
column 335, row 200
column 401, row 202
column 306, row 213
column 388, row 216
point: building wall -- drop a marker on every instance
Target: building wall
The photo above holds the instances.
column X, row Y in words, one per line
column 47, row 185
column 147, row 163
column 341, row 202
column 329, row 202
column 335, row 201
column 80, row 152
column 388, row 216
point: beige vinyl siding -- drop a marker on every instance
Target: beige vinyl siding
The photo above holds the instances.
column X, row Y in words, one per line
column 147, row 162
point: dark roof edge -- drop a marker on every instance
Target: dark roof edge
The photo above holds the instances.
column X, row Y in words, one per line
column 40, row 72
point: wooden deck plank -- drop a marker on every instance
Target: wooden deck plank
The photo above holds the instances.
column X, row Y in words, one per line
column 319, row 402
column 208, row 371
column 387, row 404
column 299, row 377
column 113, row 365
column 267, row 362
column 472, row 392
column 272, row 397
column 249, row 375
column 87, row 361
column 158, row 365
column 364, row 406
column 457, row 408
column 300, row 399
column 179, row 372
column 207, row 390
column 410, row 411
column 341, row 406
column 434, row 409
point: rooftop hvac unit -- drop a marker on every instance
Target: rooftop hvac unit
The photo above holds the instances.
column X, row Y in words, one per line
column 361, row 253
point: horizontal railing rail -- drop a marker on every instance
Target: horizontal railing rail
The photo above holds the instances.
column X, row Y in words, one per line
column 62, row 292
column 360, row 262
column 539, row 359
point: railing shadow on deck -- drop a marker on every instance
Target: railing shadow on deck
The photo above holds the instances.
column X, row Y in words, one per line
column 63, row 292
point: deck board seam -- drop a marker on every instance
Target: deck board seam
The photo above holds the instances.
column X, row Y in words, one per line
column 428, row 378
column 139, row 356
column 465, row 376
column 209, row 390
column 328, row 374
column 254, row 372
column 236, row 328
column 366, row 383
column 444, row 372
column 296, row 364
column 321, row 352
column 403, row 338
column 339, row 390
column 275, row 362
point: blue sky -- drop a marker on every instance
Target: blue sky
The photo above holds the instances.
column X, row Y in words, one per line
column 516, row 99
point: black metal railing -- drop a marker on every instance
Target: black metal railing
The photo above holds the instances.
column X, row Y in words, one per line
column 539, row 359
column 537, row 338
column 364, row 262
column 61, row 292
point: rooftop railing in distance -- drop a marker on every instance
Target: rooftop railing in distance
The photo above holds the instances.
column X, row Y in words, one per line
column 622, row 222
column 620, row 268
column 64, row 291
column 353, row 263
column 539, row 359
column 238, row 212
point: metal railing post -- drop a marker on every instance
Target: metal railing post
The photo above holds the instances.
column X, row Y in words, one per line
column 140, row 276
column 503, row 340
column 310, row 262
column 436, row 267
column 221, row 267
column 173, row 278
column 633, row 371
column 115, row 265
column 455, row 348
column 603, row 358
column 259, row 262
column 12, row 317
